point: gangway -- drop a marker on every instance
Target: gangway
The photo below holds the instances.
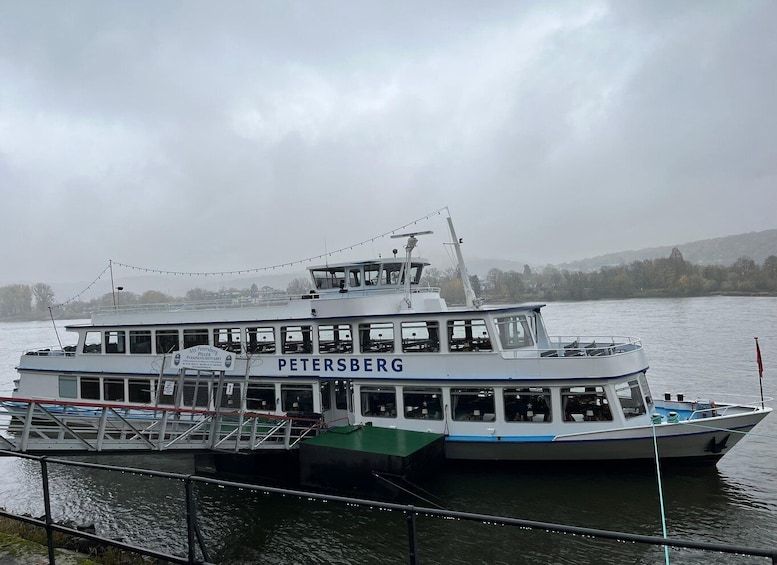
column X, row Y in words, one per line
column 38, row 426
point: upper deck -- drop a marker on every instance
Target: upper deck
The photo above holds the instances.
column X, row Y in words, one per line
column 363, row 288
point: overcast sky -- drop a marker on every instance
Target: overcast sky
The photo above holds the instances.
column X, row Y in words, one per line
column 209, row 136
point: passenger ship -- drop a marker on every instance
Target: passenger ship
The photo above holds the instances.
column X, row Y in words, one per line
column 371, row 345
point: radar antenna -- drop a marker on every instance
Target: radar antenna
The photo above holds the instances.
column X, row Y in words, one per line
column 412, row 241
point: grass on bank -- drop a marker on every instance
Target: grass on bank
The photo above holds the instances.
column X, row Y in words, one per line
column 18, row 537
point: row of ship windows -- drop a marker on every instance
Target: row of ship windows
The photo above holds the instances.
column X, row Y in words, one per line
column 376, row 337
column 520, row 404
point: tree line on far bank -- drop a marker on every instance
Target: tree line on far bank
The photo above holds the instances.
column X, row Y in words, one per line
column 663, row 277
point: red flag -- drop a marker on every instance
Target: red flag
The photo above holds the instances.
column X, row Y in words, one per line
column 758, row 358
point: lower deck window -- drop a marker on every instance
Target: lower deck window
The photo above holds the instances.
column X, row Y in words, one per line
column 297, row 398
column 475, row 404
column 585, row 404
column 260, row 397
column 195, row 394
column 530, row 404
column 113, row 390
column 230, row 395
column 167, row 391
column 422, row 403
column 379, row 401
column 68, row 386
column 90, row 388
column 630, row 397
column 139, row 391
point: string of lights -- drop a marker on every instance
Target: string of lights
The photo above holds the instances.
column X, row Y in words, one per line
column 77, row 296
column 279, row 265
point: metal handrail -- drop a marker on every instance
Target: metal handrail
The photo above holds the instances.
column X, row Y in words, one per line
column 195, row 541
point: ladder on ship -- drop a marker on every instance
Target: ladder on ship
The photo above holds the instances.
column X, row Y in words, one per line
column 43, row 426
column 36, row 426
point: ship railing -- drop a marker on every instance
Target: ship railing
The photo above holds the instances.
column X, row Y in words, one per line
column 45, row 425
column 720, row 404
column 53, row 351
column 277, row 298
column 589, row 346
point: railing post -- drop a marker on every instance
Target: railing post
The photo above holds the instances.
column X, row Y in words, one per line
column 44, row 474
column 190, row 517
column 412, row 550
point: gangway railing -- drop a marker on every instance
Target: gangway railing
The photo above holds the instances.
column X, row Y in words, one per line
column 44, row 425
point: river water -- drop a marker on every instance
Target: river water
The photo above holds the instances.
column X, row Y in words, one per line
column 698, row 346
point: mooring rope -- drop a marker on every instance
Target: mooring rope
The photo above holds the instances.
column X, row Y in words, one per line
column 411, row 493
column 660, row 493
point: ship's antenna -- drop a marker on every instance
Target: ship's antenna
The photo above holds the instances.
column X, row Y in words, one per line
column 469, row 294
column 412, row 241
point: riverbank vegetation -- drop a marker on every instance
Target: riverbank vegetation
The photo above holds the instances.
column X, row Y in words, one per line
column 663, row 277
column 21, row 542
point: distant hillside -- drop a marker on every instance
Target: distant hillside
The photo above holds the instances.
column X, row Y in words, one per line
column 723, row 251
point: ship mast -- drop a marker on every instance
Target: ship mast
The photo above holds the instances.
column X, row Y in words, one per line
column 472, row 301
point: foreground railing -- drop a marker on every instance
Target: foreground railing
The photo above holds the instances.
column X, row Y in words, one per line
column 197, row 550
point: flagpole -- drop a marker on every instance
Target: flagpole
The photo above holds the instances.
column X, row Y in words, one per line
column 760, row 370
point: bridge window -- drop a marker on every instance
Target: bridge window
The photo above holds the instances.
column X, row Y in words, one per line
column 630, row 397
column 476, row 404
column 140, row 341
column 68, row 386
column 514, row 332
column 194, row 337
column 354, row 277
column 113, row 390
column 139, row 391
column 335, row 339
column 297, row 398
column 227, row 339
column 377, row 337
column 390, row 274
column 419, row 337
column 93, row 342
column 371, row 274
column 261, row 340
column 333, row 277
column 167, row 341
column 90, row 388
column 297, row 339
column 115, row 342
column 380, row 401
column 585, row 404
column 468, row 335
column 422, row 403
column 530, row 404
